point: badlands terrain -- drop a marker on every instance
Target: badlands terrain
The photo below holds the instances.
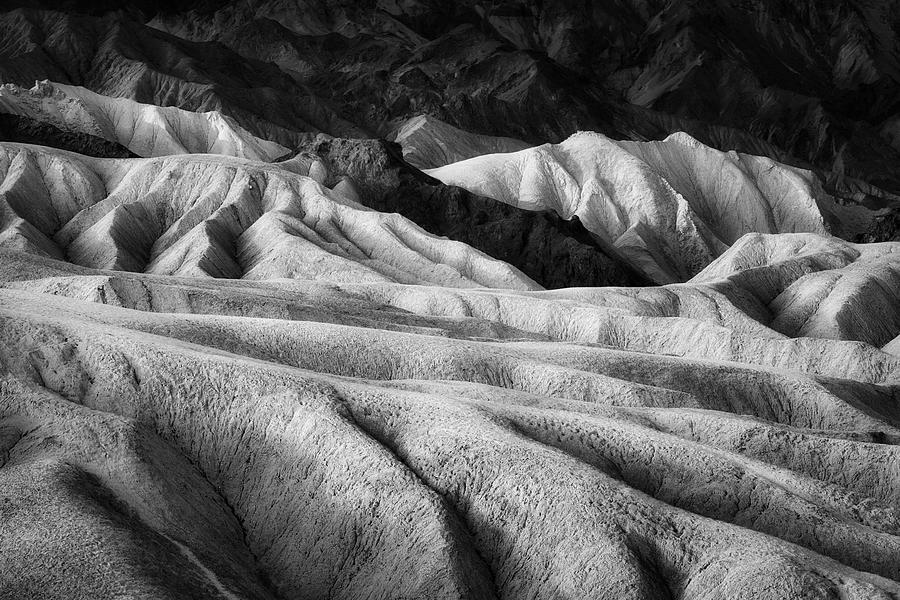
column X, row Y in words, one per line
column 418, row 300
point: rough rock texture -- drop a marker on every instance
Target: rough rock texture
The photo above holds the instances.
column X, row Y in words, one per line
column 428, row 143
column 228, row 378
column 804, row 83
column 667, row 208
column 853, row 209
column 818, row 83
column 339, row 435
column 817, row 287
column 201, row 215
column 552, row 251
column 387, row 441
column 25, row 130
column 122, row 58
column 145, row 129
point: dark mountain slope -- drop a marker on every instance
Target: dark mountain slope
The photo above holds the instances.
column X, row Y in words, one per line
column 120, row 57
column 554, row 252
column 24, row 130
column 811, row 83
column 814, row 82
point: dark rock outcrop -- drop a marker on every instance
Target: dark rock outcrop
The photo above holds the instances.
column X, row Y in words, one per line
column 25, row 130
column 805, row 83
column 816, row 83
column 121, row 57
column 554, row 252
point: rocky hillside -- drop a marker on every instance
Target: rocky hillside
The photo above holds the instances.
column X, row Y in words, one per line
column 405, row 299
column 666, row 208
column 211, row 216
column 146, row 130
column 373, row 440
column 227, row 366
column 805, row 83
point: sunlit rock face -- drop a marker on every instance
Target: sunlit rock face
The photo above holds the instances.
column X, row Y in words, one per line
column 203, row 215
column 146, row 130
column 801, row 82
column 667, row 208
column 419, row 300
column 236, row 426
column 554, row 250
column 224, row 361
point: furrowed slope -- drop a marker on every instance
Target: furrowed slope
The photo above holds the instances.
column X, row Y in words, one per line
column 553, row 251
column 228, row 378
column 428, row 143
column 811, row 85
column 817, row 287
column 386, row 441
column 25, row 130
column 145, row 129
column 807, row 85
column 201, row 215
column 668, row 208
column 122, row 58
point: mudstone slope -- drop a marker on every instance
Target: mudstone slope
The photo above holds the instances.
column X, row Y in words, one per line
column 555, row 251
column 221, row 217
column 812, row 85
column 373, row 440
column 271, row 358
column 666, row 208
column 226, row 366
column 146, row 130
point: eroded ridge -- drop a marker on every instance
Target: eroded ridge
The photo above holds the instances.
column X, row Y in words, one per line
column 392, row 441
column 146, row 130
column 220, row 217
column 668, row 208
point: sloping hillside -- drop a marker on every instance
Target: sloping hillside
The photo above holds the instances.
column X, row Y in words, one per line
column 145, row 129
column 221, row 217
column 633, row 333
column 668, row 208
column 429, row 143
column 276, row 439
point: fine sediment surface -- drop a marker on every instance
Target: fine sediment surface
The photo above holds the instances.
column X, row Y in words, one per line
column 375, row 440
column 633, row 333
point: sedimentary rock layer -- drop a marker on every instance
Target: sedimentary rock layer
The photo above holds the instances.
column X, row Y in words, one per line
column 221, row 217
column 553, row 251
column 668, row 208
column 298, row 438
column 428, row 143
column 146, row 130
